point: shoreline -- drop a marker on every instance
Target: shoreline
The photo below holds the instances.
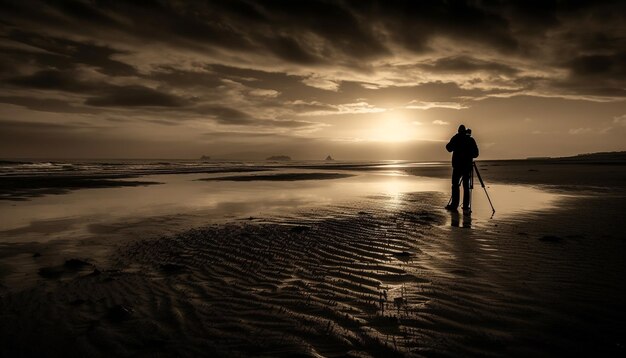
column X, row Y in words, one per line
column 569, row 173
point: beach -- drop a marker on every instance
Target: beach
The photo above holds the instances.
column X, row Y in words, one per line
column 313, row 259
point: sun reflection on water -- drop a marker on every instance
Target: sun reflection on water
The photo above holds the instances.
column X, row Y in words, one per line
column 183, row 194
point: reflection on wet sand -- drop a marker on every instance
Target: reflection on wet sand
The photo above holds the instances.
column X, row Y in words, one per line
column 455, row 219
column 106, row 216
column 218, row 200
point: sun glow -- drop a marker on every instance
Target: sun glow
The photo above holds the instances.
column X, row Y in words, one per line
column 393, row 128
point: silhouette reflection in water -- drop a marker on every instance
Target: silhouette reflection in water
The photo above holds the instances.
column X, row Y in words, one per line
column 455, row 220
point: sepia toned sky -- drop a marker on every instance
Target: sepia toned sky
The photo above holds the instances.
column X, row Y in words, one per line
column 355, row 79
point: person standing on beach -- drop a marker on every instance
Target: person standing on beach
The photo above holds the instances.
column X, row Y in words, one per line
column 464, row 150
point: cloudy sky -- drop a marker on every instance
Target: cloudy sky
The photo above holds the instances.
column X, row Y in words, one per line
column 355, row 79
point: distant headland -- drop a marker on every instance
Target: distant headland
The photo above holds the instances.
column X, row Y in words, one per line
column 600, row 157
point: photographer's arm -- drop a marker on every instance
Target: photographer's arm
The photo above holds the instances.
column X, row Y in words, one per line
column 450, row 147
column 475, row 149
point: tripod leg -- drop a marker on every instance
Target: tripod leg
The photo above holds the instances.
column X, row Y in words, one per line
column 467, row 203
column 488, row 198
column 484, row 188
column 471, row 189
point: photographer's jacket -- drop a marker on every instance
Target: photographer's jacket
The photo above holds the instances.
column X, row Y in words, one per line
column 464, row 148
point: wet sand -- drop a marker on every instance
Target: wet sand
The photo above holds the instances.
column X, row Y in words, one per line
column 283, row 177
column 551, row 174
column 383, row 275
column 22, row 187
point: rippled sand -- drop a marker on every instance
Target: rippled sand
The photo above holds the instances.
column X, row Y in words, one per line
column 364, row 279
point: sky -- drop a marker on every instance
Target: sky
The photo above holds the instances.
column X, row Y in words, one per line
column 357, row 80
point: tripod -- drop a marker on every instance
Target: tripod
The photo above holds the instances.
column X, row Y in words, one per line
column 471, row 187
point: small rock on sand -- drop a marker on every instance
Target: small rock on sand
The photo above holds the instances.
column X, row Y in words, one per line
column 171, row 268
column 76, row 264
column 50, row 272
column 550, row 238
column 119, row 313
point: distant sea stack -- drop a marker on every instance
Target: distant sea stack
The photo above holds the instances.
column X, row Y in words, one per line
column 329, row 158
column 280, row 158
column 205, row 158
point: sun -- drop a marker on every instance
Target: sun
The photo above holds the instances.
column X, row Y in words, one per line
column 393, row 128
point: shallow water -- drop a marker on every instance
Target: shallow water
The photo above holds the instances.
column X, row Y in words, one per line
column 48, row 217
column 89, row 222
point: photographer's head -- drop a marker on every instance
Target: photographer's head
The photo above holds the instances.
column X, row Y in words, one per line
column 462, row 129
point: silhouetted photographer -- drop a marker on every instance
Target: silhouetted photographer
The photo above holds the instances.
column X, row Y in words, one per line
column 464, row 150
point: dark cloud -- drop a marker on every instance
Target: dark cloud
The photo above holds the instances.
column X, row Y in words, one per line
column 53, row 80
column 17, row 126
column 581, row 88
column 530, row 16
column 291, row 124
column 303, row 106
column 313, row 32
column 594, row 41
column 290, row 50
column 414, row 23
column 356, row 28
column 136, row 96
column 231, row 116
column 102, row 94
column 46, row 104
column 227, row 134
column 333, row 21
column 290, row 87
column 226, row 115
column 163, row 122
column 466, row 64
column 184, row 78
column 598, row 74
column 238, row 136
column 65, row 54
column 599, row 65
column 351, row 29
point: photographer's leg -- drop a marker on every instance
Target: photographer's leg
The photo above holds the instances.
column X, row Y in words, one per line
column 466, row 189
column 456, row 178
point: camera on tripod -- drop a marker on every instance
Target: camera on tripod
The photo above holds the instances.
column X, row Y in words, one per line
column 468, row 132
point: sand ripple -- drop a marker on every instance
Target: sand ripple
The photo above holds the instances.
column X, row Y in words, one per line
column 372, row 279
